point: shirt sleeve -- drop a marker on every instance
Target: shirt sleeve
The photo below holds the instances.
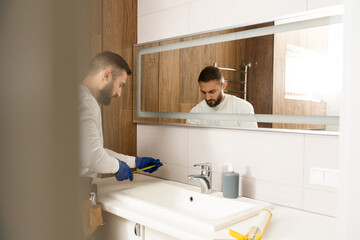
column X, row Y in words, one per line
column 129, row 160
column 250, row 111
column 194, row 121
column 93, row 156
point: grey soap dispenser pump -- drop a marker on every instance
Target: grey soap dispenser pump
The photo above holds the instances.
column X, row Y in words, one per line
column 230, row 182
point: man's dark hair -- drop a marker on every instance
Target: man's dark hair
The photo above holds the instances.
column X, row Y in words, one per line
column 106, row 59
column 211, row 73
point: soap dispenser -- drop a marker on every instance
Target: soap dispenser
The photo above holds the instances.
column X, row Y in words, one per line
column 230, row 182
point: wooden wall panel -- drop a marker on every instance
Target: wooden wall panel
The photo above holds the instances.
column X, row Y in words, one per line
column 95, row 27
column 240, row 60
column 92, row 30
column 224, row 55
column 119, row 36
column 189, row 70
column 259, row 52
column 206, row 56
column 169, row 82
column 150, row 82
column 119, row 25
column 120, row 134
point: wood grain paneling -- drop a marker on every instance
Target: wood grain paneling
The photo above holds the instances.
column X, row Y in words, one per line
column 95, row 27
column 169, row 82
column 150, row 82
column 119, row 34
column 240, row 61
column 92, row 41
column 259, row 52
column 120, row 133
column 189, row 70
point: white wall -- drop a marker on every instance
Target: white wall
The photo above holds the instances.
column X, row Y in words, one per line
column 162, row 19
column 349, row 126
column 274, row 166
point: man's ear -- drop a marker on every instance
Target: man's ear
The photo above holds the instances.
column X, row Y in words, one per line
column 224, row 85
column 106, row 76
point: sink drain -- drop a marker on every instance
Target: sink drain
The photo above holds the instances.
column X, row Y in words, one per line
column 191, row 199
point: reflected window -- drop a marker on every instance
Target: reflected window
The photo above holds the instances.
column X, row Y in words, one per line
column 315, row 73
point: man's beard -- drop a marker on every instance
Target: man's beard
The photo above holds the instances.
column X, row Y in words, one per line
column 105, row 95
column 214, row 103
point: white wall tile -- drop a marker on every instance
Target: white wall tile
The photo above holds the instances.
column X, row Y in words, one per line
column 169, row 144
column 320, row 152
column 170, row 172
column 276, row 193
column 209, row 145
column 275, row 157
column 229, row 13
column 152, row 6
column 317, row 4
column 161, row 19
column 217, row 181
column 164, row 24
column 272, row 165
column 320, row 202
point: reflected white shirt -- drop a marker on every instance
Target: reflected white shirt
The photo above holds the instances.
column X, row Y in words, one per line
column 94, row 158
column 231, row 104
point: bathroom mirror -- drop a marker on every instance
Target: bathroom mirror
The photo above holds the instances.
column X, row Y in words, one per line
column 290, row 70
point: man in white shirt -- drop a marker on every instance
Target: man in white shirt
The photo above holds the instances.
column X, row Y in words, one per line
column 212, row 85
column 106, row 77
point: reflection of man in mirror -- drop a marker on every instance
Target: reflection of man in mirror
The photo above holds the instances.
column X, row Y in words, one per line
column 212, row 86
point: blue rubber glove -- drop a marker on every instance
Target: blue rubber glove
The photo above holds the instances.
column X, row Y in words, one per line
column 143, row 162
column 124, row 172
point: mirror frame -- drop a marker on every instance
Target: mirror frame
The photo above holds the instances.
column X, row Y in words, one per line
column 244, row 34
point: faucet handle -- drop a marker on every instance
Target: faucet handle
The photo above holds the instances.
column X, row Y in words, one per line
column 204, row 166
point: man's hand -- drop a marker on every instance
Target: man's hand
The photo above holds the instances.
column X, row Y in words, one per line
column 124, row 172
column 143, row 162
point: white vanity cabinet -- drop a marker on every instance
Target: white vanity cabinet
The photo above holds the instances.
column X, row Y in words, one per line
column 151, row 234
column 117, row 228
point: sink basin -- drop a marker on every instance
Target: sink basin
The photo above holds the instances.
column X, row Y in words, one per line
column 180, row 201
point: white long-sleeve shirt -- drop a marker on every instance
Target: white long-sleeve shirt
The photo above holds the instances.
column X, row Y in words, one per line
column 231, row 104
column 94, row 158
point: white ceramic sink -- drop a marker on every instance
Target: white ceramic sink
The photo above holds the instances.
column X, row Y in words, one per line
column 180, row 201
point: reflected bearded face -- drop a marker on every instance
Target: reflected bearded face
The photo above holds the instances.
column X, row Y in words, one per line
column 212, row 91
column 216, row 101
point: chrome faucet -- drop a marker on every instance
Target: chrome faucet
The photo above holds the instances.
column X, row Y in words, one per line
column 204, row 177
